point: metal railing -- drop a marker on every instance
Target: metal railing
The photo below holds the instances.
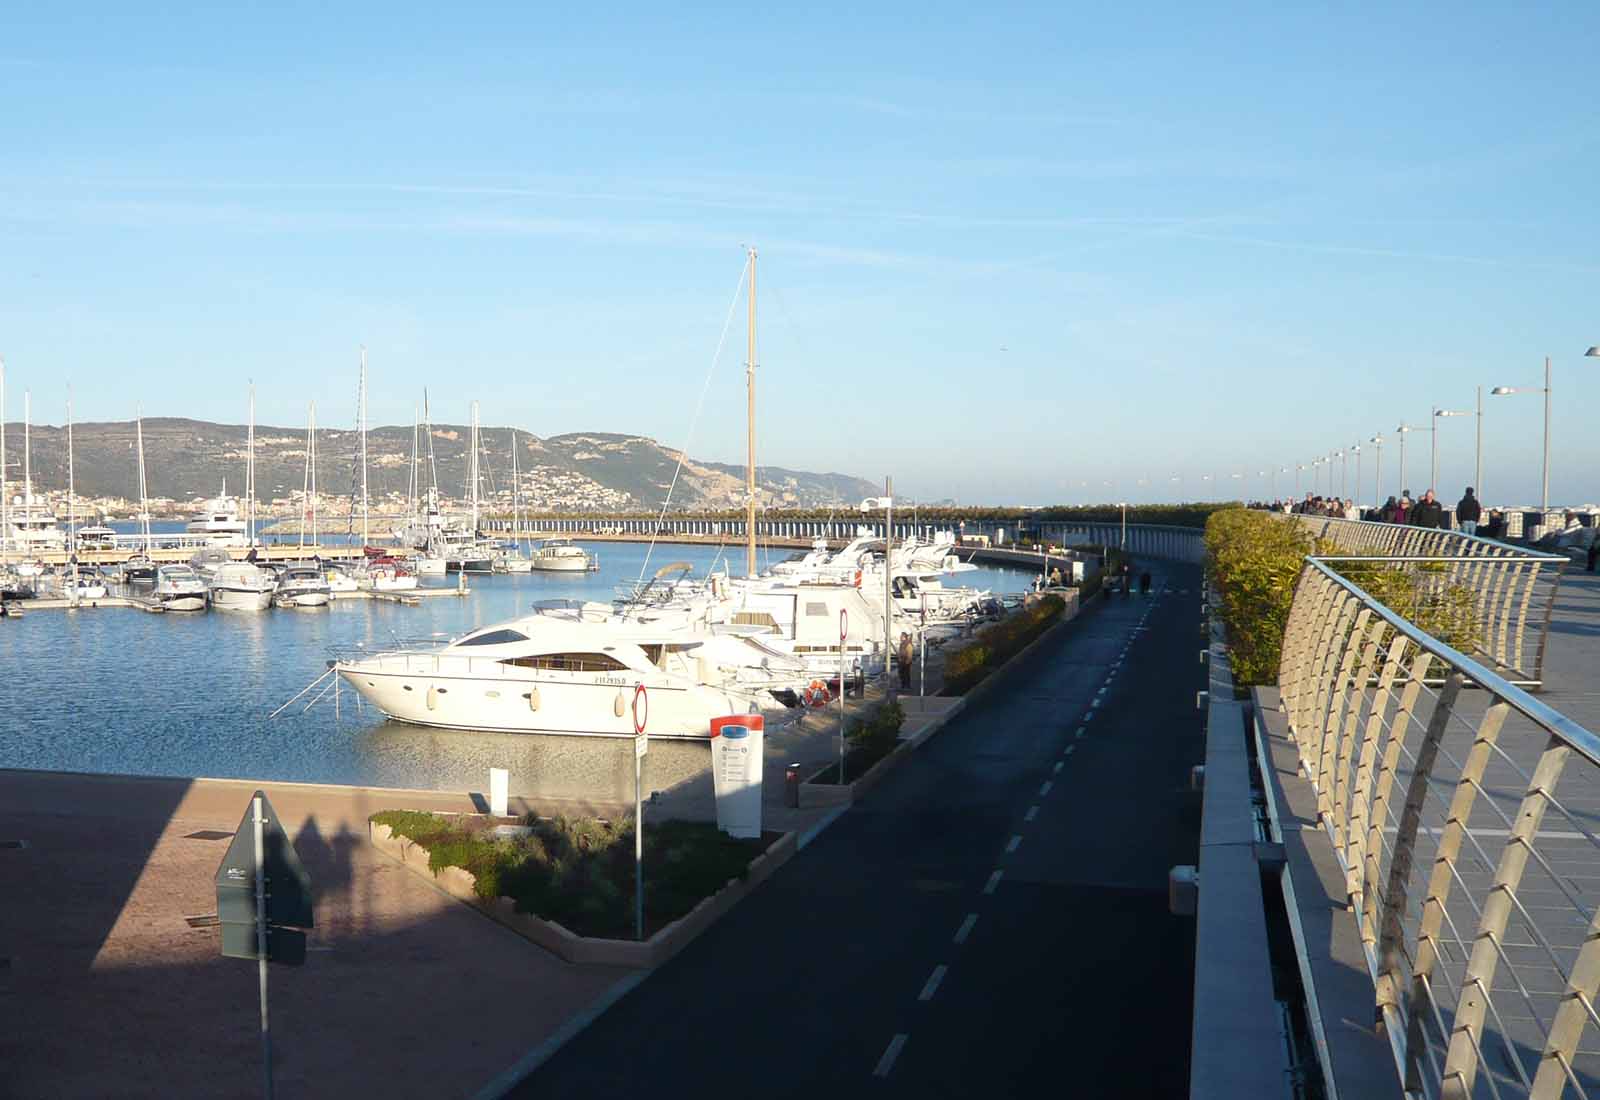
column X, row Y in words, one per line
column 1496, row 598
column 1466, row 828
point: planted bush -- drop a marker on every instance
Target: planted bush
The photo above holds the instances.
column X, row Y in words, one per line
column 994, row 645
column 1254, row 561
column 579, row 871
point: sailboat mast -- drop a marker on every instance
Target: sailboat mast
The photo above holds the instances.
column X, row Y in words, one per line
column 250, row 466
column 72, row 494
column 364, row 506
column 144, row 495
column 312, row 458
column 516, row 493
column 415, row 440
column 472, row 466
column 750, row 432
column 305, row 483
column 5, row 493
column 27, row 455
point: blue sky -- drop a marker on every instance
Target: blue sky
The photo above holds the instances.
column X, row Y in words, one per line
column 1026, row 254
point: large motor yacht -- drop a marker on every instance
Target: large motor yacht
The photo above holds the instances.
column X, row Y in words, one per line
column 562, row 555
column 551, row 673
column 220, row 522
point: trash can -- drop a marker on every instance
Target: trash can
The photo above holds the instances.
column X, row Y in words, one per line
column 791, row 786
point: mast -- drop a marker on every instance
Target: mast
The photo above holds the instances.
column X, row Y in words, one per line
column 472, row 467
column 516, row 494
column 5, row 493
column 750, row 433
column 144, row 498
column 311, row 458
column 250, row 467
column 72, row 504
column 364, row 506
column 433, row 465
column 27, row 456
column 416, row 438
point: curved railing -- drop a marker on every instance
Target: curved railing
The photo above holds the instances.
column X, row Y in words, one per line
column 1504, row 594
column 1465, row 824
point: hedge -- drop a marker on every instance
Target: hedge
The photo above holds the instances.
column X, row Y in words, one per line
column 579, row 871
column 994, row 645
column 1253, row 561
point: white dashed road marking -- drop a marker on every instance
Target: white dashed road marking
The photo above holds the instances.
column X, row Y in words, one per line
column 1045, row 787
column 994, row 880
column 1033, row 812
column 966, row 928
column 931, row 986
column 886, row 1063
column 1011, row 845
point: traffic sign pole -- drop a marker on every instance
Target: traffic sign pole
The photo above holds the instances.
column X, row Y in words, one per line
column 261, row 943
column 641, row 745
column 844, row 632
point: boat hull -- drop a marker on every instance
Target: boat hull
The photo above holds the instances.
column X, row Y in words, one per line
column 503, row 704
column 241, row 599
column 184, row 602
column 302, row 599
column 562, row 565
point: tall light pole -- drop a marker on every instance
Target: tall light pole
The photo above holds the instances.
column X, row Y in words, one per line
column 1377, row 480
column 1298, row 467
column 1403, row 430
column 1356, row 447
column 1344, row 470
column 1478, row 466
column 1503, row 391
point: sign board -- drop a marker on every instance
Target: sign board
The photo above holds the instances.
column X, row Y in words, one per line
column 499, row 791
column 641, row 745
column 736, row 767
column 288, row 891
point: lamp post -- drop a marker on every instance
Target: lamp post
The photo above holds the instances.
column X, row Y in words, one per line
column 1344, row 469
column 1356, row 447
column 1477, row 469
column 1377, row 480
column 1402, row 431
column 1298, row 466
column 1124, row 527
column 1504, row 391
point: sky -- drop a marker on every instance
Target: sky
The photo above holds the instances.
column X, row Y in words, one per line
column 1007, row 254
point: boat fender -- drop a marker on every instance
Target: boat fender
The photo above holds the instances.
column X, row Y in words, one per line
column 533, row 699
column 618, row 705
column 858, row 578
column 433, row 697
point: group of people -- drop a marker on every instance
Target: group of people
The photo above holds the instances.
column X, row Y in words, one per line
column 1426, row 511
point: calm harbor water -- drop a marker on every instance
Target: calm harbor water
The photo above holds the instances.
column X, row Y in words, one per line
column 117, row 690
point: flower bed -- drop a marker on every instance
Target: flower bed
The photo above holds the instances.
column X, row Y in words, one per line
column 995, row 645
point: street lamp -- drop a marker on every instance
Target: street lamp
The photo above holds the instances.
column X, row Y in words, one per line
column 1377, row 480
column 1344, row 469
column 886, row 502
column 1402, row 430
column 1298, row 467
column 1124, row 527
column 1505, row 391
column 1356, row 447
column 1477, row 467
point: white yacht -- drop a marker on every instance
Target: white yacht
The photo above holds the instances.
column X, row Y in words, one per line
column 242, row 586
column 547, row 674
column 219, row 522
column 97, row 537
column 384, row 575
column 562, row 555
column 206, row 562
column 179, row 588
column 302, row 586
column 34, row 527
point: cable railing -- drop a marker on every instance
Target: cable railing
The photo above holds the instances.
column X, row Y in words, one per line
column 1487, row 598
column 1467, row 828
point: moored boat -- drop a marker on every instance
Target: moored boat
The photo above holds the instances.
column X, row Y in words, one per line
column 179, row 588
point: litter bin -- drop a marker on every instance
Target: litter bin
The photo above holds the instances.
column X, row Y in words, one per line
column 791, row 786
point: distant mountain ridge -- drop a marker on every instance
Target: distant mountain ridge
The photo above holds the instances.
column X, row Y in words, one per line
column 579, row 471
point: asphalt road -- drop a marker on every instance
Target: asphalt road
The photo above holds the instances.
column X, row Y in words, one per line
column 990, row 920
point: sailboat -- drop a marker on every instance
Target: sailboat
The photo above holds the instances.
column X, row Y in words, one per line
column 376, row 571
column 140, row 568
column 515, row 560
column 34, row 530
column 243, row 585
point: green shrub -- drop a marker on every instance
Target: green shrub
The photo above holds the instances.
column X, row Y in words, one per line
column 1254, row 561
column 579, row 871
column 994, row 645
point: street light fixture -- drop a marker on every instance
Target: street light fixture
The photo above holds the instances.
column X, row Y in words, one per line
column 1377, row 480
column 1402, row 431
column 1506, row 391
column 1477, row 467
column 1356, row 447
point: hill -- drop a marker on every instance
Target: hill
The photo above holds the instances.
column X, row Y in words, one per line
column 580, row 471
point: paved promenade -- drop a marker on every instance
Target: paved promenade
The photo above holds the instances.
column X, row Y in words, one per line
column 991, row 920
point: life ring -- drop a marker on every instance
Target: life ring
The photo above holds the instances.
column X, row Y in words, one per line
column 816, row 694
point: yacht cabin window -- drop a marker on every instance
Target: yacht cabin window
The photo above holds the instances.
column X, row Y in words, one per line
column 495, row 637
column 569, row 662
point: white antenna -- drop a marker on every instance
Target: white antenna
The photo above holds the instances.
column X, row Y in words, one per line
column 250, row 467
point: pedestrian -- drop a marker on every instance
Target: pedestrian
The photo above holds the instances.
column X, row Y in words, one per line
column 1427, row 513
column 1468, row 512
column 1127, row 579
column 1055, row 577
column 1402, row 509
column 1593, row 555
column 905, row 656
column 1144, row 583
column 1388, row 511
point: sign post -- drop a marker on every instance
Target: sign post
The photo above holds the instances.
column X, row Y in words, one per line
column 641, row 746
column 844, row 632
column 261, row 888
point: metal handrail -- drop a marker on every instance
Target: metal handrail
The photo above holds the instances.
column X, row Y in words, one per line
column 1398, row 767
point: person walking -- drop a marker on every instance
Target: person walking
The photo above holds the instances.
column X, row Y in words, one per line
column 1390, row 509
column 1403, row 507
column 904, row 657
column 1468, row 512
column 1428, row 512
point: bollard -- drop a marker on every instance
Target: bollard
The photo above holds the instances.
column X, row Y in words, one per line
column 1183, row 890
column 1201, row 698
column 1204, row 653
column 1197, row 777
column 791, row 786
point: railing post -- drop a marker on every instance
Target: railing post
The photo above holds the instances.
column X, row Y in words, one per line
column 1341, row 698
column 1461, row 1059
column 1355, row 694
column 1359, row 874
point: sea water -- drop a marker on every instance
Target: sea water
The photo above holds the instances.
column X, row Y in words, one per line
column 118, row 690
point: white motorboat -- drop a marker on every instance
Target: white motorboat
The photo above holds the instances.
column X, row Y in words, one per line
column 179, row 588
column 138, row 569
column 385, row 575
column 34, row 527
column 86, row 583
column 97, row 538
column 220, row 523
column 562, row 555
column 302, row 586
column 546, row 674
column 242, row 586
column 206, row 562
column 340, row 579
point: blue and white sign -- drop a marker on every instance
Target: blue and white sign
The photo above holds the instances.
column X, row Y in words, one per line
column 736, row 767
